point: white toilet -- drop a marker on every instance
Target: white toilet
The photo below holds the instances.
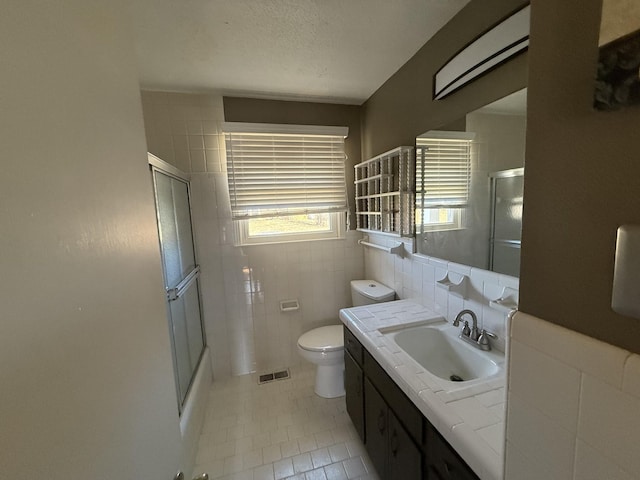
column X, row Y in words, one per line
column 324, row 346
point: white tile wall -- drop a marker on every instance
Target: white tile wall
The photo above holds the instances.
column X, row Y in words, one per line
column 414, row 278
column 184, row 130
column 573, row 405
column 242, row 287
column 257, row 278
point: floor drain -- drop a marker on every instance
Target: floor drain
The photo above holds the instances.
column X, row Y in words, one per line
column 456, row 378
column 270, row 377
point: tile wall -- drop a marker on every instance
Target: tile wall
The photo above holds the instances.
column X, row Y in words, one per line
column 573, row 405
column 415, row 277
column 242, row 287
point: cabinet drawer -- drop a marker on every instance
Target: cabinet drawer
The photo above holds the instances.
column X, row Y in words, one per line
column 353, row 346
column 406, row 412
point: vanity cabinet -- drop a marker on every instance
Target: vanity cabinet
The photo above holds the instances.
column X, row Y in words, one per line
column 400, row 441
column 391, row 449
column 405, row 458
column 443, row 463
column 394, row 426
column 354, row 382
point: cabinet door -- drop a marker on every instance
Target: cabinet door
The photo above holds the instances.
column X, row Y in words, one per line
column 354, row 393
column 405, row 458
column 376, row 423
column 443, row 461
column 404, row 409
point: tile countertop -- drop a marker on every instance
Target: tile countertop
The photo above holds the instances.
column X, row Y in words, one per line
column 471, row 417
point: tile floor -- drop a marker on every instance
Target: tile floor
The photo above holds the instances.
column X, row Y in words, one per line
column 279, row 430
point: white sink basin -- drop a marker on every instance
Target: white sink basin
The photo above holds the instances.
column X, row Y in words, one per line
column 439, row 350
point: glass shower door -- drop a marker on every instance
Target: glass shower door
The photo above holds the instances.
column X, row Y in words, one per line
column 506, row 221
column 181, row 275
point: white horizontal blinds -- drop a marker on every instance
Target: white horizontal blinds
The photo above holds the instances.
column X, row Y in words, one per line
column 443, row 170
column 274, row 174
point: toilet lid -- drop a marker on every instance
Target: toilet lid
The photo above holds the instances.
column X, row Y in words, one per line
column 322, row 339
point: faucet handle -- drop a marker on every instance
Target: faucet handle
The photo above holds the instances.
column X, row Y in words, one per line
column 466, row 331
column 483, row 339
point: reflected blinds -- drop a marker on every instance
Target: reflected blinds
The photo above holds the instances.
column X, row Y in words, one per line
column 443, row 170
column 275, row 170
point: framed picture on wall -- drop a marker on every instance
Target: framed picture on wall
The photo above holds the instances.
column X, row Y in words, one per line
column 618, row 78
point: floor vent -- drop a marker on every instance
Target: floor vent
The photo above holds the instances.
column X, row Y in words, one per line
column 270, row 377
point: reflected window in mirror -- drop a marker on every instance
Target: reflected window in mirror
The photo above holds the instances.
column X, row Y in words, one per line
column 443, row 173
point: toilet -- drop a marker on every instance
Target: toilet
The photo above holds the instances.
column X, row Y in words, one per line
column 324, row 346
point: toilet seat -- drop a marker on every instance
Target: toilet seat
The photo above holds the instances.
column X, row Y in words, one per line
column 323, row 339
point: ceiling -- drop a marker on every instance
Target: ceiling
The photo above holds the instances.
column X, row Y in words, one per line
column 319, row 50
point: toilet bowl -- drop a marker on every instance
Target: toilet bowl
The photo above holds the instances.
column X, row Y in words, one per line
column 324, row 346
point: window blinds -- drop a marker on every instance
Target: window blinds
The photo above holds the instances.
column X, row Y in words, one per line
column 276, row 170
column 443, row 169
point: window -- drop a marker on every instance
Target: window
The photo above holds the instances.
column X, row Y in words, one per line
column 443, row 171
column 286, row 182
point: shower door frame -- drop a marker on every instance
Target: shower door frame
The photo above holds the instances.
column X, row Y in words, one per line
column 493, row 178
column 173, row 293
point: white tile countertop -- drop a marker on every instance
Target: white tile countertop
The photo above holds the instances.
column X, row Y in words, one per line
column 469, row 415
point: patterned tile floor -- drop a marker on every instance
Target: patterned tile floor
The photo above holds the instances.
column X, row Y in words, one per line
column 279, row 430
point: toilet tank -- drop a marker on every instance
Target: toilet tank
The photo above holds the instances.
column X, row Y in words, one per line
column 365, row 292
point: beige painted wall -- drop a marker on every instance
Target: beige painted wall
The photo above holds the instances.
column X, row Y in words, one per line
column 85, row 364
column 403, row 107
column 582, row 177
column 619, row 18
column 582, row 181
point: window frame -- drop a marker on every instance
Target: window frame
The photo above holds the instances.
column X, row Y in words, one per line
column 241, row 221
column 456, row 224
column 336, row 231
column 456, row 207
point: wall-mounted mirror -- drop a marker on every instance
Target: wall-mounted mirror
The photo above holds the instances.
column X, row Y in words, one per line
column 469, row 188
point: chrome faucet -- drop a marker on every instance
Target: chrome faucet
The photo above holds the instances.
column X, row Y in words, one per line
column 473, row 332
column 473, row 335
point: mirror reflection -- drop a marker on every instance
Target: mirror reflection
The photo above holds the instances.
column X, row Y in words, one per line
column 469, row 188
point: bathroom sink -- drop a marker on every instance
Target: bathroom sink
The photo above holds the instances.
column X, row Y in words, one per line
column 439, row 350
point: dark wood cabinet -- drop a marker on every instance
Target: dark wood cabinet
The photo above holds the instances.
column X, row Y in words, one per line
column 354, row 386
column 376, row 425
column 405, row 458
column 391, row 449
column 354, row 381
column 443, row 462
column 400, row 441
